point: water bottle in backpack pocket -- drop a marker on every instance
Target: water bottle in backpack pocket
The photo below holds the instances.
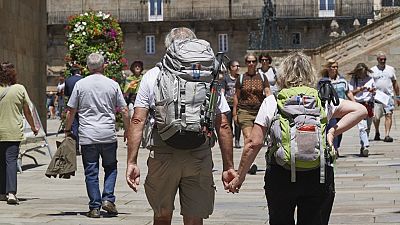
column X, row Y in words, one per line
column 307, row 139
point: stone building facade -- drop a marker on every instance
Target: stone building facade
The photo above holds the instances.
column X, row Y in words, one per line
column 23, row 42
column 232, row 26
column 144, row 33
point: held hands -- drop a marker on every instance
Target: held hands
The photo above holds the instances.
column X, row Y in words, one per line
column 235, row 184
column 133, row 176
column 232, row 181
column 227, row 177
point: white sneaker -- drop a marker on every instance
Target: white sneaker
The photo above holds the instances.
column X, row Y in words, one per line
column 12, row 199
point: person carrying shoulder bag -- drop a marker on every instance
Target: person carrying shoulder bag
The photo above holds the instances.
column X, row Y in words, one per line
column 14, row 103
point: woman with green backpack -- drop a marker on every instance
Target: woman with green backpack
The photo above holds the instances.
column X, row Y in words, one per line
column 295, row 176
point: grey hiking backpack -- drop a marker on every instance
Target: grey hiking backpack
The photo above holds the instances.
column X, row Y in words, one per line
column 182, row 93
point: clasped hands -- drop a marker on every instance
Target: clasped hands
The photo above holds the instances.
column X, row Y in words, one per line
column 232, row 181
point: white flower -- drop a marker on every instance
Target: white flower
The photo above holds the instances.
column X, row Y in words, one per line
column 84, row 23
column 105, row 16
column 69, row 35
column 77, row 24
column 71, row 46
column 86, row 14
column 83, row 33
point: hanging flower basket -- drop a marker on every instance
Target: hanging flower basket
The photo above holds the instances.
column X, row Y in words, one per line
column 95, row 32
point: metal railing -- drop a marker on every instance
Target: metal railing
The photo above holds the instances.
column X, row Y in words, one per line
column 390, row 3
column 237, row 12
column 315, row 10
column 169, row 14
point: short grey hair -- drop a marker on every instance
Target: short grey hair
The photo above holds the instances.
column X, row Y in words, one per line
column 95, row 62
column 296, row 70
column 380, row 53
column 179, row 33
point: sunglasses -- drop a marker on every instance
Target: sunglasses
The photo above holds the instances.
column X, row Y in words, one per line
column 382, row 59
column 251, row 61
column 264, row 60
column 334, row 67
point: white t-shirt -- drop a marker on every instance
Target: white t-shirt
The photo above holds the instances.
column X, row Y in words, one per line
column 269, row 106
column 145, row 96
column 384, row 78
column 362, row 96
column 60, row 87
column 272, row 77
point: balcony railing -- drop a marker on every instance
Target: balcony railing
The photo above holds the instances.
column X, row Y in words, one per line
column 169, row 14
column 314, row 10
column 217, row 13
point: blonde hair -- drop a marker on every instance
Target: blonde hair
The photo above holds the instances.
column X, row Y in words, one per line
column 248, row 55
column 325, row 71
column 296, row 70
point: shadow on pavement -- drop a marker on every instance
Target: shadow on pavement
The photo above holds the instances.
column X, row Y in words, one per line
column 26, row 199
column 72, row 213
column 68, row 214
column 31, row 166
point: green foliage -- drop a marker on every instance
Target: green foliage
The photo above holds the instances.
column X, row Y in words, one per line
column 95, row 32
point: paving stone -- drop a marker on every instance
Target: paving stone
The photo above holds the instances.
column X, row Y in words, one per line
column 368, row 190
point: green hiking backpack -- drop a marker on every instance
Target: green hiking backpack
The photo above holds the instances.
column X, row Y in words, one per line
column 297, row 132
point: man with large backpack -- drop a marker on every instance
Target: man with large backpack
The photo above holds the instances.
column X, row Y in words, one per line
column 179, row 95
column 299, row 158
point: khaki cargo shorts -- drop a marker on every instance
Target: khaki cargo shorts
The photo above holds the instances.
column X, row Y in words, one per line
column 246, row 117
column 381, row 110
column 189, row 171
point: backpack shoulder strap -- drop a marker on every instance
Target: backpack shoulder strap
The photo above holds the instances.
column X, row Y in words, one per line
column 274, row 70
column 262, row 75
column 241, row 80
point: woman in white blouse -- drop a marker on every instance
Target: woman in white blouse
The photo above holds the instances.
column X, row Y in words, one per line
column 312, row 199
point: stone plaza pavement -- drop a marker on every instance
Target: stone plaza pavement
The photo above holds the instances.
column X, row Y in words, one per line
column 368, row 190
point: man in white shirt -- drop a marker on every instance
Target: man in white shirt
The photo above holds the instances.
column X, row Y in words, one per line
column 385, row 81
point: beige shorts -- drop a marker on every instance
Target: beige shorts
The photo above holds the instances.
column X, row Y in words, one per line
column 381, row 110
column 246, row 117
column 190, row 172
